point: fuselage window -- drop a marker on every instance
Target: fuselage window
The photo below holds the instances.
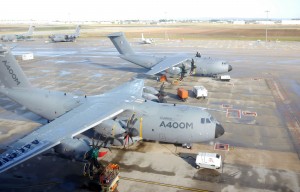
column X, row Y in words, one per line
column 202, row 120
column 207, row 120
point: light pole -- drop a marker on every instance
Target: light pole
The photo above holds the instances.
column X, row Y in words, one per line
column 267, row 25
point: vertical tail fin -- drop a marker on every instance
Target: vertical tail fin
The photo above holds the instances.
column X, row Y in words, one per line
column 30, row 30
column 143, row 37
column 121, row 44
column 11, row 74
column 77, row 31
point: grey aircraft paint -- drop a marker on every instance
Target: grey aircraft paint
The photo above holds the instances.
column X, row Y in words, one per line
column 204, row 65
column 71, row 115
column 14, row 37
column 66, row 37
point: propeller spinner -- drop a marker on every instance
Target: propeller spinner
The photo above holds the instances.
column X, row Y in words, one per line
column 130, row 130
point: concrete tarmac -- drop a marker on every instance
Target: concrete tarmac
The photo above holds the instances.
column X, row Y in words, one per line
column 264, row 149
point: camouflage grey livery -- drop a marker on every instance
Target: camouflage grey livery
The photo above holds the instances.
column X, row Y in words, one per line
column 107, row 114
column 66, row 37
column 204, row 66
column 14, row 37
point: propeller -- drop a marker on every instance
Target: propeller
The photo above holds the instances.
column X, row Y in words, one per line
column 193, row 67
column 183, row 72
column 130, row 131
column 162, row 94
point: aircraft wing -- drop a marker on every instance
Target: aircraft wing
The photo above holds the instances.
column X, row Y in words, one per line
column 166, row 63
column 72, row 123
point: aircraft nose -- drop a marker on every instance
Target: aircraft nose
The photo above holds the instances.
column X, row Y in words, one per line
column 219, row 130
column 229, row 68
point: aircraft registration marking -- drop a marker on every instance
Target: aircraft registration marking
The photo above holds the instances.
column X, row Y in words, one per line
column 182, row 125
column 17, row 153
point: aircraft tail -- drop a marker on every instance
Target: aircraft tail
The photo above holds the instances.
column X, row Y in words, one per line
column 143, row 37
column 30, row 30
column 77, row 31
column 11, row 74
column 120, row 42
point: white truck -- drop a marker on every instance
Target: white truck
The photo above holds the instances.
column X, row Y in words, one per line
column 208, row 160
column 200, row 91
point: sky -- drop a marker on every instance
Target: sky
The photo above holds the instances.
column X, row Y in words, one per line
column 101, row 10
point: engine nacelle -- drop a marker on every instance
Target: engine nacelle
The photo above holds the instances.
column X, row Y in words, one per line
column 110, row 128
column 73, row 148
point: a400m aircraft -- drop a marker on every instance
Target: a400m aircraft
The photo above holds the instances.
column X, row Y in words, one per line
column 15, row 37
column 66, row 37
column 172, row 65
column 69, row 116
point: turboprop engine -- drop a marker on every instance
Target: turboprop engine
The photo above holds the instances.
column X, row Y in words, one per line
column 73, row 148
column 110, row 128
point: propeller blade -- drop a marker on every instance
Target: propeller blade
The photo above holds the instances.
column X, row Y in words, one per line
column 132, row 118
column 131, row 140
column 96, row 146
column 126, row 140
column 134, row 121
column 93, row 143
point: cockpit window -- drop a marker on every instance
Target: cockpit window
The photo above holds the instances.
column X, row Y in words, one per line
column 202, row 120
column 207, row 120
column 212, row 119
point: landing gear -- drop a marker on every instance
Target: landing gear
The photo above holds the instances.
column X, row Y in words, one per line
column 187, row 145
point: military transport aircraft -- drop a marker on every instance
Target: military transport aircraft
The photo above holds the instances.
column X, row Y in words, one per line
column 66, row 37
column 71, row 115
column 173, row 65
column 146, row 40
column 14, row 37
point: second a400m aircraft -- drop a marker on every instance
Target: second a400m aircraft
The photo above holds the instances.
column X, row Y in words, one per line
column 171, row 65
column 70, row 115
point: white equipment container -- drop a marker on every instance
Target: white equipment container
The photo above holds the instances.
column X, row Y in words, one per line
column 208, row 160
column 27, row 56
column 225, row 77
column 200, row 91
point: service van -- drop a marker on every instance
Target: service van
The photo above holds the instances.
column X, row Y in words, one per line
column 208, row 160
column 200, row 91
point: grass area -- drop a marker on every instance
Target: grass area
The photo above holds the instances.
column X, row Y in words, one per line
column 173, row 31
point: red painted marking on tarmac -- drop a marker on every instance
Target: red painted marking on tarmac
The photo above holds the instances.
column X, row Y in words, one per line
column 221, row 146
column 231, row 113
column 249, row 113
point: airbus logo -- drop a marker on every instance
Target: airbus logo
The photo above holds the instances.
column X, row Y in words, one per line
column 175, row 125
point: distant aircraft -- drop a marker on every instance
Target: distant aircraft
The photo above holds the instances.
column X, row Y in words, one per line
column 14, row 37
column 66, row 37
column 173, row 65
column 121, row 115
column 146, row 41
